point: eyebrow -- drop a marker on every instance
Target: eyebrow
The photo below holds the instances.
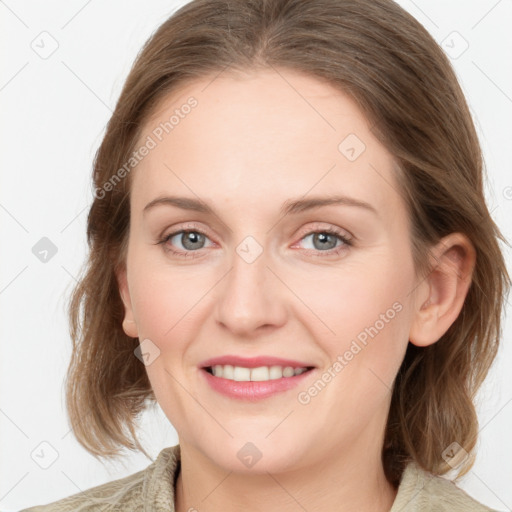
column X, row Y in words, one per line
column 292, row 206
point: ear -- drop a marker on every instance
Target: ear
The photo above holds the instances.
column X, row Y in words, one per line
column 129, row 325
column 441, row 295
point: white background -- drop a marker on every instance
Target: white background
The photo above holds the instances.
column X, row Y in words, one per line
column 54, row 112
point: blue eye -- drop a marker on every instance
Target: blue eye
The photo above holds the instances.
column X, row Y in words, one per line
column 193, row 240
column 325, row 238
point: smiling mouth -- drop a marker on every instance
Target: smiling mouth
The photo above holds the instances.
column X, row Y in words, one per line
column 258, row 374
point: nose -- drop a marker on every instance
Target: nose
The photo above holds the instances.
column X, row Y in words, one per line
column 251, row 298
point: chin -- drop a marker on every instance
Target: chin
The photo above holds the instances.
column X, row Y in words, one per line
column 255, row 455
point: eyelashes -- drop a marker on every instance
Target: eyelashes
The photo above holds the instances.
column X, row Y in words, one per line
column 346, row 242
column 181, row 253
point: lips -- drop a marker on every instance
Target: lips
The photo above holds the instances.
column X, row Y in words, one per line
column 253, row 390
column 254, row 362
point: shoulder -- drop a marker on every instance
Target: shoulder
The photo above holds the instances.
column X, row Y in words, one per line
column 132, row 493
column 421, row 491
column 125, row 491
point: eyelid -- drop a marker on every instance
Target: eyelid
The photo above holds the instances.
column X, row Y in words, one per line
column 320, row 226
column 305, row 230
column 187, row 226
column 343, row 235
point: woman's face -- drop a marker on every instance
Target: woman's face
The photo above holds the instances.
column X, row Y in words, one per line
column 263, row 272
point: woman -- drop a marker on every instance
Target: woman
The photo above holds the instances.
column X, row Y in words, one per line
column 290, row 252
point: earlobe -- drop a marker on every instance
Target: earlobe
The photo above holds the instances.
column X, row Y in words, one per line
column 441, row 295
column 129, row 325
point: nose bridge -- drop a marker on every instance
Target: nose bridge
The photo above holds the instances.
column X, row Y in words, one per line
column 251, row 295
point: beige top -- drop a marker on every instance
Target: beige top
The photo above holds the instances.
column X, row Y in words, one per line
column 152, row 490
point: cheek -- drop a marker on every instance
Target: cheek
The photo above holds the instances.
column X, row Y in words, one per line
column 166, row 304
column 363, row 312
column 348, row 299
column 164, row 301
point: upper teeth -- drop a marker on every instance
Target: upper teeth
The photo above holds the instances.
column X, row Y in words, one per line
column 239, row 373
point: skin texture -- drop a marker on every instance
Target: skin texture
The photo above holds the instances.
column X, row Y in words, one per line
column 253, row 142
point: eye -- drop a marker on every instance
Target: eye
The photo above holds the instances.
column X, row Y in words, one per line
column 325, row 240
column 191, row 241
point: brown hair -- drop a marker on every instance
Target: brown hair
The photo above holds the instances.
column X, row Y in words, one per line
column 393, row 69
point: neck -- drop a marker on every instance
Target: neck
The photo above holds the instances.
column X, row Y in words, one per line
column 341, row 483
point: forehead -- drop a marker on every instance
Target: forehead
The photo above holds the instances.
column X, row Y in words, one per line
column 259, row 136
